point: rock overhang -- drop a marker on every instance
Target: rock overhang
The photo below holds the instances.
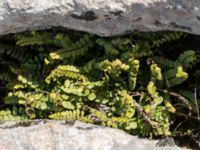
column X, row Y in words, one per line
column 101, row 17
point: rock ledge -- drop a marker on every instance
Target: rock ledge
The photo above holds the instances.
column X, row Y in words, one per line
column 59, row 135
column 102, row 17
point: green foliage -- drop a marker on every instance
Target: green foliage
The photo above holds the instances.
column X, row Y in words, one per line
column 8, row 115
column 34, row 38
column 174, row 70
column 97, row 80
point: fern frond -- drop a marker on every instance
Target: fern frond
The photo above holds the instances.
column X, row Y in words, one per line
column 65, row 71
column 187, row 58
column 34, row 38
column 6, row 115
column 133, row 72
column 72, row 116
column 167, row 37
column 14, row 52
column 72, row 49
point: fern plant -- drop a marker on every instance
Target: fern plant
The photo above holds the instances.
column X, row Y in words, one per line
column 97, row 80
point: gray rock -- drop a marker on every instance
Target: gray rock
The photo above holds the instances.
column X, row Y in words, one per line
column 102, row 17
column 57, row 135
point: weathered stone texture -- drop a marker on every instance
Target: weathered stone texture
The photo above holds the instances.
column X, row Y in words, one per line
column 102, row 17
column 54, row 135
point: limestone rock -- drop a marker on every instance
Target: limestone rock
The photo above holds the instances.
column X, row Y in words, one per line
column 102, row 17
column 57, row 135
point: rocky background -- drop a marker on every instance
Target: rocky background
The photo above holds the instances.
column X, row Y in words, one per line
column 102, row 17
column 62, row 135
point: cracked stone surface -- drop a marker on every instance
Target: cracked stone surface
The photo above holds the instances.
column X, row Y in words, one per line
column 58, row 135
column 102, row 17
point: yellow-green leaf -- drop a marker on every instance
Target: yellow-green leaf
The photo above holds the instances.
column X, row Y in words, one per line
column 68, row 105
column 91, row 96
column 43, row 106
column 22, row 101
